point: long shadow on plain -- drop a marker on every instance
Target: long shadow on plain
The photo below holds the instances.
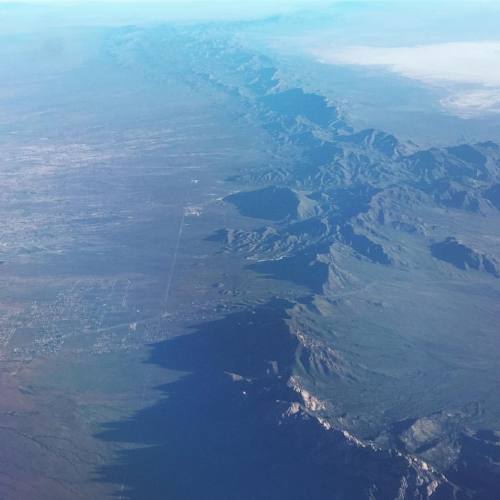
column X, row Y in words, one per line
column 220, row 432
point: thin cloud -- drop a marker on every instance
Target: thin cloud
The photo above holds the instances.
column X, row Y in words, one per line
column 468, row 64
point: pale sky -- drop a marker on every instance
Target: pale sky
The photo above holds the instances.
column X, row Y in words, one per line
column 22, row 16
column 117, row 11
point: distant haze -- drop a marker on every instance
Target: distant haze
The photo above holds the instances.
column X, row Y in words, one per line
column 19, row 14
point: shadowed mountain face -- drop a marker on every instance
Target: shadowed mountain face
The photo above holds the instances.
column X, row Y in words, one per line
column 463, row 257
column 493, row 195
column 271, row 203
column 294, row 103
column 304, row 269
